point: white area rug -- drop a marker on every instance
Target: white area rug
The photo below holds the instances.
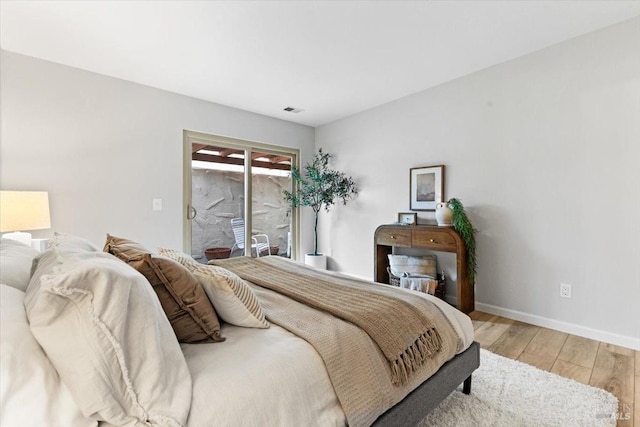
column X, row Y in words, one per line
column 507, row 393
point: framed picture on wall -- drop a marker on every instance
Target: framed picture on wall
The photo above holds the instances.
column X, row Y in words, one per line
column 426, row 187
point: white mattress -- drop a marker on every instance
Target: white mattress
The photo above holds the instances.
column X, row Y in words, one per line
column 270, row 377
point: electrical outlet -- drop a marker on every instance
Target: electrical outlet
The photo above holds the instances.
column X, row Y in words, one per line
column 157, row 204
column 565, row 290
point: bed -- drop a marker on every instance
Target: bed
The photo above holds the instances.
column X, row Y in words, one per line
column 256, row 376
column 296, row 405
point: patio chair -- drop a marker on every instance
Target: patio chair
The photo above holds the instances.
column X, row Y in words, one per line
column 259, row 242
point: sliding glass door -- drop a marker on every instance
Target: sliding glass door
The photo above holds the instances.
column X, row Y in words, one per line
column 233, row 198
column 270, row 214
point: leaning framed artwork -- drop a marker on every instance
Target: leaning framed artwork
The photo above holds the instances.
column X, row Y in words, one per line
column 426, row 187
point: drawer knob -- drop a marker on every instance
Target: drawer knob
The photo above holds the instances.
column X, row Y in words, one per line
column 393, row 237
column 431, row 240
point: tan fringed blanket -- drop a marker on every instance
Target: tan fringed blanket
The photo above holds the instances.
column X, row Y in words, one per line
column 401, row 324
column 359, row 372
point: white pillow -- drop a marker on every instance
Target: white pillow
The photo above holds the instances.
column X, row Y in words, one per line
column 70, row 242
column 15, row 263
column 64, row 244
column 31, row 393
column 234, row 301
column 103, row 328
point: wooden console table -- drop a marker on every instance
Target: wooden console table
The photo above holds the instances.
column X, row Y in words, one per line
column 432, row 237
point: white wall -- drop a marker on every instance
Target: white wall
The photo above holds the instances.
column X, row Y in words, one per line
column 544, row 151
column 104, row 147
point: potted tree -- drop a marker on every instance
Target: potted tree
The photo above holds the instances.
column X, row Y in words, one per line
column 319, row 187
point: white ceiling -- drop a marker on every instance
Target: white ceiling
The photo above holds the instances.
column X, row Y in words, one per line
column 330, row 58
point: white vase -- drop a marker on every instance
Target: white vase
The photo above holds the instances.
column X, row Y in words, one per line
column 317, row 261
column 444, row 214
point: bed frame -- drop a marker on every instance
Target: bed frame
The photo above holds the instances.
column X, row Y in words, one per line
column 417, row 404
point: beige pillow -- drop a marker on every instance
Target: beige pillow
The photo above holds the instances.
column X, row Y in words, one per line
column 31, row 393
column 182, row 297
column 103, row 329
column 232, row 298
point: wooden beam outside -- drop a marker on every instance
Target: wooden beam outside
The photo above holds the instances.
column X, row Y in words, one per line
column 228, row 151
column 224, row 152
column 280, row 159
column 234, row 161
column 197, row 147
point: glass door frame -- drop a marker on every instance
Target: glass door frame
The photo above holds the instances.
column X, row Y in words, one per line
column 193, row 137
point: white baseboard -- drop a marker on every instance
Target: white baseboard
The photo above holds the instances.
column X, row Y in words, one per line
column 558, row 325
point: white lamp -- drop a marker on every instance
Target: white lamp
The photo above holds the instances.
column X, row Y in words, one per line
column 23, row 210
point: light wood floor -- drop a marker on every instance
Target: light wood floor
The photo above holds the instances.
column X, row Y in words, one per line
column 613, row 368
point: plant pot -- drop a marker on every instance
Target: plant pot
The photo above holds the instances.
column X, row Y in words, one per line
column 217, row 253
column 317, row 261
column 274, row 250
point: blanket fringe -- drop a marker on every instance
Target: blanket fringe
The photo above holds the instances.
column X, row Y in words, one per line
column 425, row 347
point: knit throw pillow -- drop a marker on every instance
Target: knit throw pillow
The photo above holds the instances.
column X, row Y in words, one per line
column 234, row 301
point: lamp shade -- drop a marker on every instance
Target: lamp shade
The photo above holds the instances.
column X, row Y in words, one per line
column 24, row 210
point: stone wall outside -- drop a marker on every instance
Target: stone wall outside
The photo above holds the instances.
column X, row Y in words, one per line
column 218, row 196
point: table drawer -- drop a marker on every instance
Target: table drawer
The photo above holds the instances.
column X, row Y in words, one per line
column 440, row 240
column 394, row 237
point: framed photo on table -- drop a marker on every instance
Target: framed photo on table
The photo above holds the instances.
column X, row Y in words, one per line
column 426, row 187
column 408, row 218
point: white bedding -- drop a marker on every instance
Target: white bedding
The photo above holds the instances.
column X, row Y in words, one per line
column 270, row 377
column 260, row 377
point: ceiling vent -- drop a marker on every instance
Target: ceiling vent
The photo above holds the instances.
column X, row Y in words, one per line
column 293, row 110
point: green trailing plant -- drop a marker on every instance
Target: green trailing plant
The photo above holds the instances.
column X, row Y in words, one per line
column 319, row 187
column 463, row 226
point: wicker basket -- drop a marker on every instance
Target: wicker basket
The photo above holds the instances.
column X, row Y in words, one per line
column 217, row 253
column 441, row 287
column 393, row 279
